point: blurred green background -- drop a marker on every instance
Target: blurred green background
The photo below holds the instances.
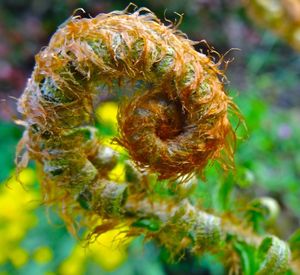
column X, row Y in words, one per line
column 264, row 80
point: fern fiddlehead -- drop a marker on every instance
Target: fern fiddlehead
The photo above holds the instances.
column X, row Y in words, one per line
column 175, row 122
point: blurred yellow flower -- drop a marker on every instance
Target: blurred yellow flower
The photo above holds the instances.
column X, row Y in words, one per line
column 118, row 173
column 106, row 114
column 109, row 251
column 43, row 255
column 18, row 257
column 74, row 264
column 16, row 204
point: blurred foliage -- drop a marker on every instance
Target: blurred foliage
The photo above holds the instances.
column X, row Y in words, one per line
column 265, row 81
column 282, row 17
column 10, row 134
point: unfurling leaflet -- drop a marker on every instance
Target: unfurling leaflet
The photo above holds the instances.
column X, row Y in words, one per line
column 172, row 122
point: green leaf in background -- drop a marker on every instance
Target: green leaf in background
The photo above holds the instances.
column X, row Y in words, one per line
column 10, row 134
column 247, row 256
column 223, row 197
column 262, row 211
column 294, row 242
column 150, row 224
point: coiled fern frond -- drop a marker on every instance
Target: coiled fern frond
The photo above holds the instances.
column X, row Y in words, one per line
column 172, row 123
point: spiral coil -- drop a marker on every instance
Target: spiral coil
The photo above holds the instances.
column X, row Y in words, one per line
column 173, row 125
